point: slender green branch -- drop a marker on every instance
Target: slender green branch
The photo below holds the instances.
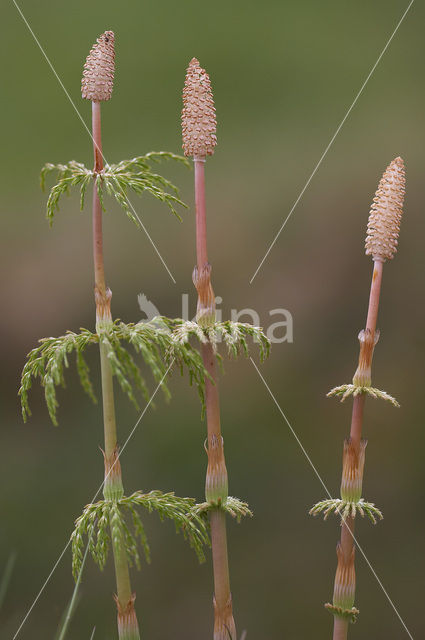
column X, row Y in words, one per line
column 233, row 334
column 233, row 506
column 347, row 509
column 344, row 391
column 116, row 180
column 153, row 341
column 119, row 522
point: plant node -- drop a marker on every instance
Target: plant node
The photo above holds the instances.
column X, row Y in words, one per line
column 216, row 482
column 353, row 460
column 205, row 310
column 368, row 340
column 128, row 628
column 112, row 486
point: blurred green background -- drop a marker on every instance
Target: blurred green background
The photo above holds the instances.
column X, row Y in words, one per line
column 284, row 75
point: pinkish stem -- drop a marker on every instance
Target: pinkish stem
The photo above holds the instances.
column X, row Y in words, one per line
column 340, row 629
column 201, row 218
column 224, row 625
column 375, row 290
column 347, row 529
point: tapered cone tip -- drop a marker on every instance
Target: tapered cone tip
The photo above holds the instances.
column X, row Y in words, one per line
column 385, row 213
column 199, row 123
column 98, row 75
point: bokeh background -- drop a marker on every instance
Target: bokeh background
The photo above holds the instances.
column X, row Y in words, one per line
column 284, row 75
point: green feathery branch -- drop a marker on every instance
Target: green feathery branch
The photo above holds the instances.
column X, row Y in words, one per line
column 118, row 522
column 152, row 340
column 233, row 506
column 346, row 508
column 346, row 390
column 233, row 334
column 116, row 179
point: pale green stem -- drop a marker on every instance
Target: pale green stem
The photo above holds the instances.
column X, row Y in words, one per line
column 103, row 316
column 109, row 425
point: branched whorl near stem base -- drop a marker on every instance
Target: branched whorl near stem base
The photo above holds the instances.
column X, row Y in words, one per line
column 233, row 506
column 348, row 614
column 346, row 390
column 347, row 509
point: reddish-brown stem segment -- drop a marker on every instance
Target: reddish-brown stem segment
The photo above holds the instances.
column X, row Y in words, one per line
column 347, row 529
column 125, row 598
column 224, row 626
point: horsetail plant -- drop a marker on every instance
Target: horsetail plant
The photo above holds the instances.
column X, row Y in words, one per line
column 199, row 140
column 115, row 521
column 381, row 243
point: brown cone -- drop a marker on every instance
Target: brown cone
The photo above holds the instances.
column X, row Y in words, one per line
column 385, row 213
column 98, row 75
column 198, row 116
